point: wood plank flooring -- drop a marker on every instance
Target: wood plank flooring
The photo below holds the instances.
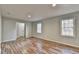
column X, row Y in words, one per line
column 36, row 46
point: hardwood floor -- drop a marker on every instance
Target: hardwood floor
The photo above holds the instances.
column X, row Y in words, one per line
column 36, row 46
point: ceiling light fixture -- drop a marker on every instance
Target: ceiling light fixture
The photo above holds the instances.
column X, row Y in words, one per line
column 29, row 16
column 53, row 5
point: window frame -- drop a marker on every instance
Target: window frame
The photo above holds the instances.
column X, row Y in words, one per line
column 74, row 26
column 37, row 27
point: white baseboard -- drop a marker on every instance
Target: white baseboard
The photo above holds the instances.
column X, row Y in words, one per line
column 65, row 43
column 7, row 40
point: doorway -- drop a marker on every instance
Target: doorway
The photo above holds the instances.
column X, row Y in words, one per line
column 21, row 29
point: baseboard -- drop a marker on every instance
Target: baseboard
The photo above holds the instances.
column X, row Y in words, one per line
column 7, row 41
column 68, row 45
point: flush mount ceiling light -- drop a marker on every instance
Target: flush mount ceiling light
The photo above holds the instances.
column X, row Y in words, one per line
column 53, row 5
column 29, row 16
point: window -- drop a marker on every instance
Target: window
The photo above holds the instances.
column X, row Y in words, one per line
column 67, row 27
column 39, row 28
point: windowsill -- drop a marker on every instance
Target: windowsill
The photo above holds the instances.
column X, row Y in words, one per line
column 39, row 33
column 68, row 36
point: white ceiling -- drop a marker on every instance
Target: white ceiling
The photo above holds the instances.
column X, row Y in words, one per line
column 37, row 11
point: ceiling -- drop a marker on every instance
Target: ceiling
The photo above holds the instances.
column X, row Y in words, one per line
column 37, row 11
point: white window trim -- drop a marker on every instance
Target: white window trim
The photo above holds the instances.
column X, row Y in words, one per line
column 74, row 32
column 39, row 29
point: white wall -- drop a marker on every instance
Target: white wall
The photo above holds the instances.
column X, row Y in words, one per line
column 0, row 34
column 9, row 29
column 51, row 30
column 28, row 29
column 0, row 28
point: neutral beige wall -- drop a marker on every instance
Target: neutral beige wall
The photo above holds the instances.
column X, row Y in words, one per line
column 9, row 29
column 51, row 30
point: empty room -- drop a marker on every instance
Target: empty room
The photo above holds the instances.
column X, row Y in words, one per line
column 39, row 28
